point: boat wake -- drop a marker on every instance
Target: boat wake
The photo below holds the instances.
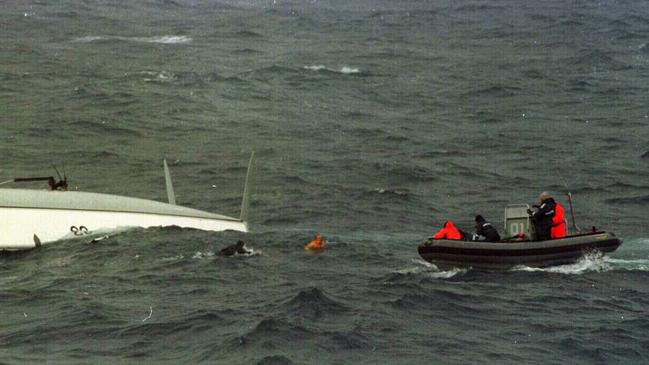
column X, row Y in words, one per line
column 629, row 265
column 430, row 270
column 593, row 262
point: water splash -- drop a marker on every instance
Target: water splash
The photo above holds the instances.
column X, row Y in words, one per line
column 251, row 252
column 201, row 255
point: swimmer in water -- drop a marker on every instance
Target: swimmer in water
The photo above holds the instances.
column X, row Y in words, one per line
column 318, row 243
column 238, row 248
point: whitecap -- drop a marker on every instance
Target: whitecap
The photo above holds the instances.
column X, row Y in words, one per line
column 165, row 39
column 160, row 77
column 349, row 70
column 344, row 70
column 89, row 39
column 315, row 67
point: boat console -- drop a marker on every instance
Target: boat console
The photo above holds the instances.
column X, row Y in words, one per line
column 517, row 221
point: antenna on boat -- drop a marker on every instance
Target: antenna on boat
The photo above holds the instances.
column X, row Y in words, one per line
column 572, row 213
column 245, row 202
column 170, row 188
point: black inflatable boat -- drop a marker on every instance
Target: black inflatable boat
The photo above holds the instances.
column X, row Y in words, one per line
column 504, row 255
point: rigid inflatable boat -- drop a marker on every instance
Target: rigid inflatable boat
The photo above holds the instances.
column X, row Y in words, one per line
column 511, row 252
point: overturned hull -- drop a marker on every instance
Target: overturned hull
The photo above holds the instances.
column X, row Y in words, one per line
column 504, row 255
column 29, row 218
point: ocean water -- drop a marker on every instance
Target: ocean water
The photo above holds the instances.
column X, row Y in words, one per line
column 372, row 122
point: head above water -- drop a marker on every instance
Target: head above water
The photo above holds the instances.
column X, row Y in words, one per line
column 479, row 218
column 544, row 196
column 240, row 243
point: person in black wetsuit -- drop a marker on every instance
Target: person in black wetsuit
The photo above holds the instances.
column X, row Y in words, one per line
column 542, row 217
column 238, row 248
column 486, row 229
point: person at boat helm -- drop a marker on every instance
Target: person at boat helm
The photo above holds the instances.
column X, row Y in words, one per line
column 543, row 216
column 486, row 229
column 449, row 232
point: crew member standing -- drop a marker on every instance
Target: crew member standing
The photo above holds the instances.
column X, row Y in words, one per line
column 543, row 217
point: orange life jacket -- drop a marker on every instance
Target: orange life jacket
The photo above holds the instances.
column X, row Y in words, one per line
column 449, row 232
column 558, row 222
column 317, row 244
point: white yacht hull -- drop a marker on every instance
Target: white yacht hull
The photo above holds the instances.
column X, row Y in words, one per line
column 25, row 228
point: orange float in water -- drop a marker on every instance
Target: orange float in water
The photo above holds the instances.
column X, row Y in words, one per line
column 318, row 243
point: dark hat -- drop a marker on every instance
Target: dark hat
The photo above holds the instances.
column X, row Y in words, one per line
column 478, row 218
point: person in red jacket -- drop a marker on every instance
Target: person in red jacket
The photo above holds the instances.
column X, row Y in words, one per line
column 449, row 232
column 558, row 222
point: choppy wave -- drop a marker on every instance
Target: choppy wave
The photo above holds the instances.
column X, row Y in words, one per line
column 500, row 91
column 644, row 199
column 370, row 138
column 313, row 303
column 271, row 331
column 165, row 39
column 275, row 360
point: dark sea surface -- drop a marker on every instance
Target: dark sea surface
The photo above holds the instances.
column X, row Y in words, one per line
column 372, row 122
